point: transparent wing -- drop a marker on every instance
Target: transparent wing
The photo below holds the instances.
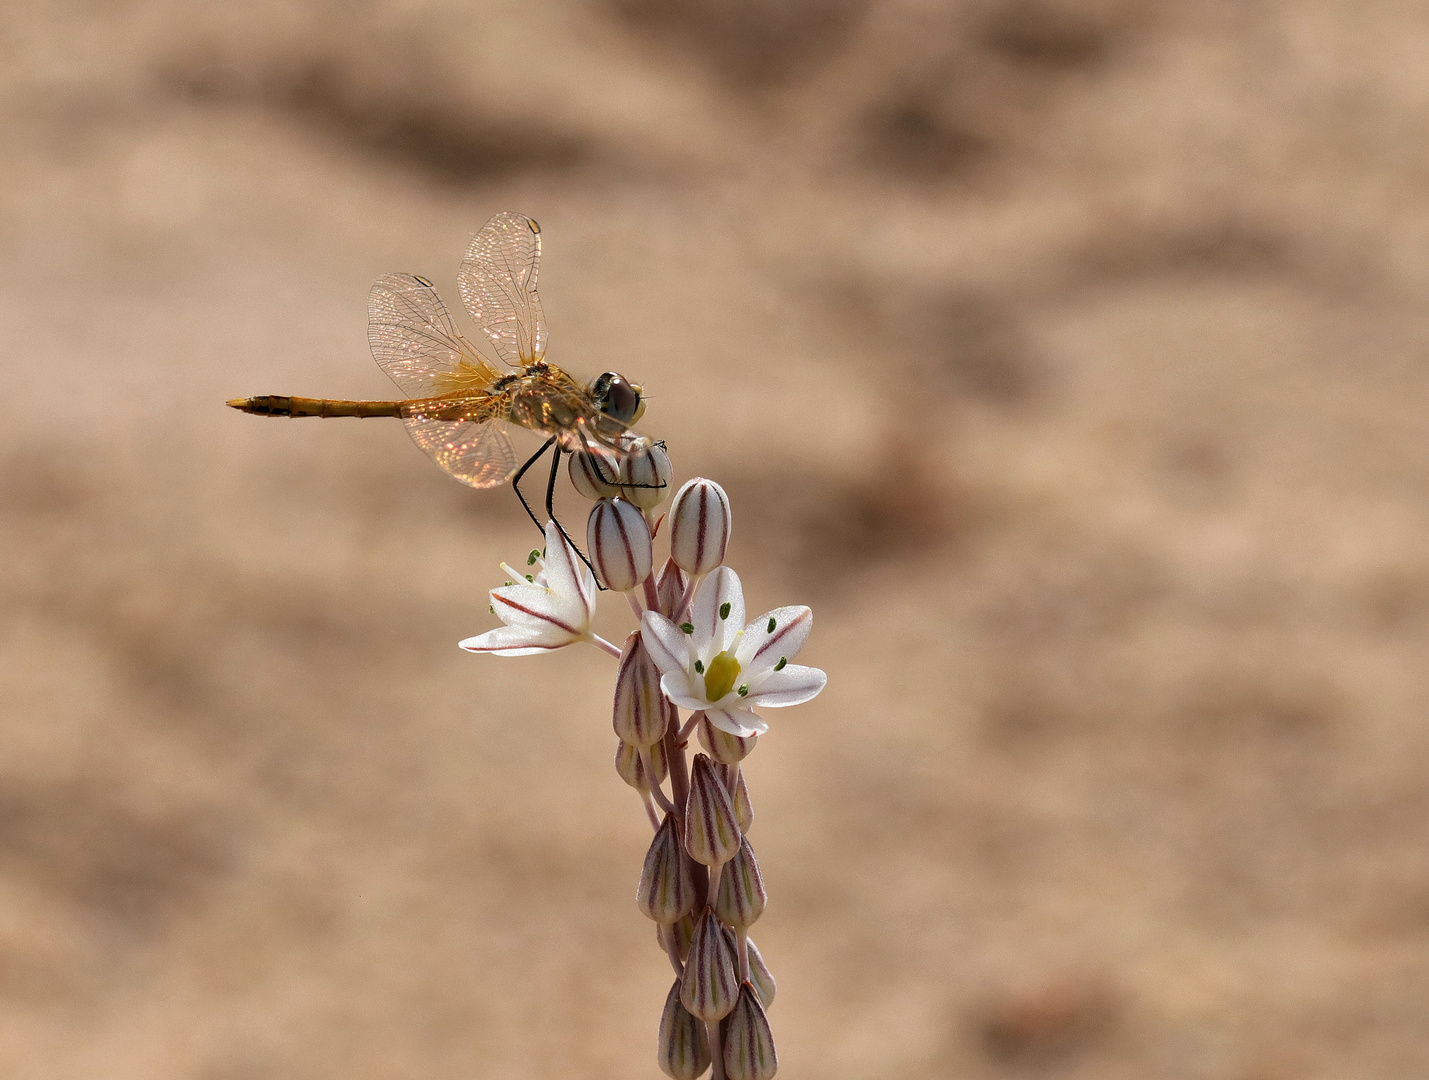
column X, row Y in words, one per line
column 498, row 284
column 414, row 340
column 476, row 452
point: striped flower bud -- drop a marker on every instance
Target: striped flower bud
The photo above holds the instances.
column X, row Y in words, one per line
column 740, row 898
column 748, row 1043
column 709, row 986
column 739, row 792
column 639, row 714
column 670, row 588
column 759, row 973
column 666, row 892
column 631, row 767
column 647, row 476
column 725, row 748
column 595, row 472
column 700, row 520
column 711, row 827
column 619, row 542
column 683, row 1049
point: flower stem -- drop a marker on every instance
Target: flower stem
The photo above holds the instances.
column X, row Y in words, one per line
column 667, row 939
column 665, row 804
column 716, row 1049
column 650, row 810
column 689, row 728
column 603, row 645
column 684, row 604
column 635, row 605
column 742, row 936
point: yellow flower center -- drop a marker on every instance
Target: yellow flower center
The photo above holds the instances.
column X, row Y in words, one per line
column 720, row 676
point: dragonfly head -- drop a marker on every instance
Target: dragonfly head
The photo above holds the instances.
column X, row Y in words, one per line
column 617, row 397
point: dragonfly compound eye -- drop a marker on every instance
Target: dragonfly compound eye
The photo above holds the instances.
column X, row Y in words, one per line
column 617, row 397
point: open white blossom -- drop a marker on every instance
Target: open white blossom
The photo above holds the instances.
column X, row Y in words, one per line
column 550, row 611
column 716, row 664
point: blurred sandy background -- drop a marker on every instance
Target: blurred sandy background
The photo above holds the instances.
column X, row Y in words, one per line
column 1067, row 356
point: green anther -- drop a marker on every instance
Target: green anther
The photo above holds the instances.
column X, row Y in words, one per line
column 782, row 661
column 771, row 626
column 688, row 628
column 491, row 608
column 743, row 690
column 699, row 667
column 530, row 579
column 724, row 610
column 719, row 679
column 508, row 583
column 531, row 558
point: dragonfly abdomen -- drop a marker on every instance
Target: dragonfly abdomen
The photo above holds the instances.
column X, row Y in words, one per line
column 280, row 405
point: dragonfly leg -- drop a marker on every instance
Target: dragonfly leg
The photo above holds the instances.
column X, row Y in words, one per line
column 516, row 481
column 551, row 485
column 550, row 498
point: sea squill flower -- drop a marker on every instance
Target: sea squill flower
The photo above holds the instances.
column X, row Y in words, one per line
column 717, row 665
column 546, row 610
column 701, row 883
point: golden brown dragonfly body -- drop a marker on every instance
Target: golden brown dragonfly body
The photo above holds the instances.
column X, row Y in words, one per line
column 462, row 406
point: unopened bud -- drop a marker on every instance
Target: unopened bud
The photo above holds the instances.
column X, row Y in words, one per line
column 748, row 1043
column 683, row 1049
column 709, row 987
column 619, row 542
column 670, row 588
column 595, row 472
column 711, row 827
column 700, row 520
column 759, row 973
column 631, row 767
column 639, row 714
column 739, row 792
column 647, row 476
column 740, row 899
column 725, row 748
column 667, row 891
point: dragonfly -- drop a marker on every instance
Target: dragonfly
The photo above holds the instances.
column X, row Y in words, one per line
column 461, row 406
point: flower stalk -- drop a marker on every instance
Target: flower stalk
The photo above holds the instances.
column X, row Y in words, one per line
column 700, row 883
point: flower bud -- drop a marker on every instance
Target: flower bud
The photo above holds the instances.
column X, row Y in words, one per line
column 709, row 987
column 748, row 1043
column 725, row 748
column 619, row 543
column 711, row 827
column 739, row 792
column 595, row 472
column 632, row 770
column 699, row 526
column 666, row 892
column 759, row 973
column 647, row 476
column 740, row 898
column 683, row 1049
column 639, row 714
column 670, row 588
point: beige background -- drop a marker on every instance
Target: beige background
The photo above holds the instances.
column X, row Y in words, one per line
column 1067, row 356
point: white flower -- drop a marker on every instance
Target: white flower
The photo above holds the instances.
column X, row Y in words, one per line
column 550, row 611
column 716, row 664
